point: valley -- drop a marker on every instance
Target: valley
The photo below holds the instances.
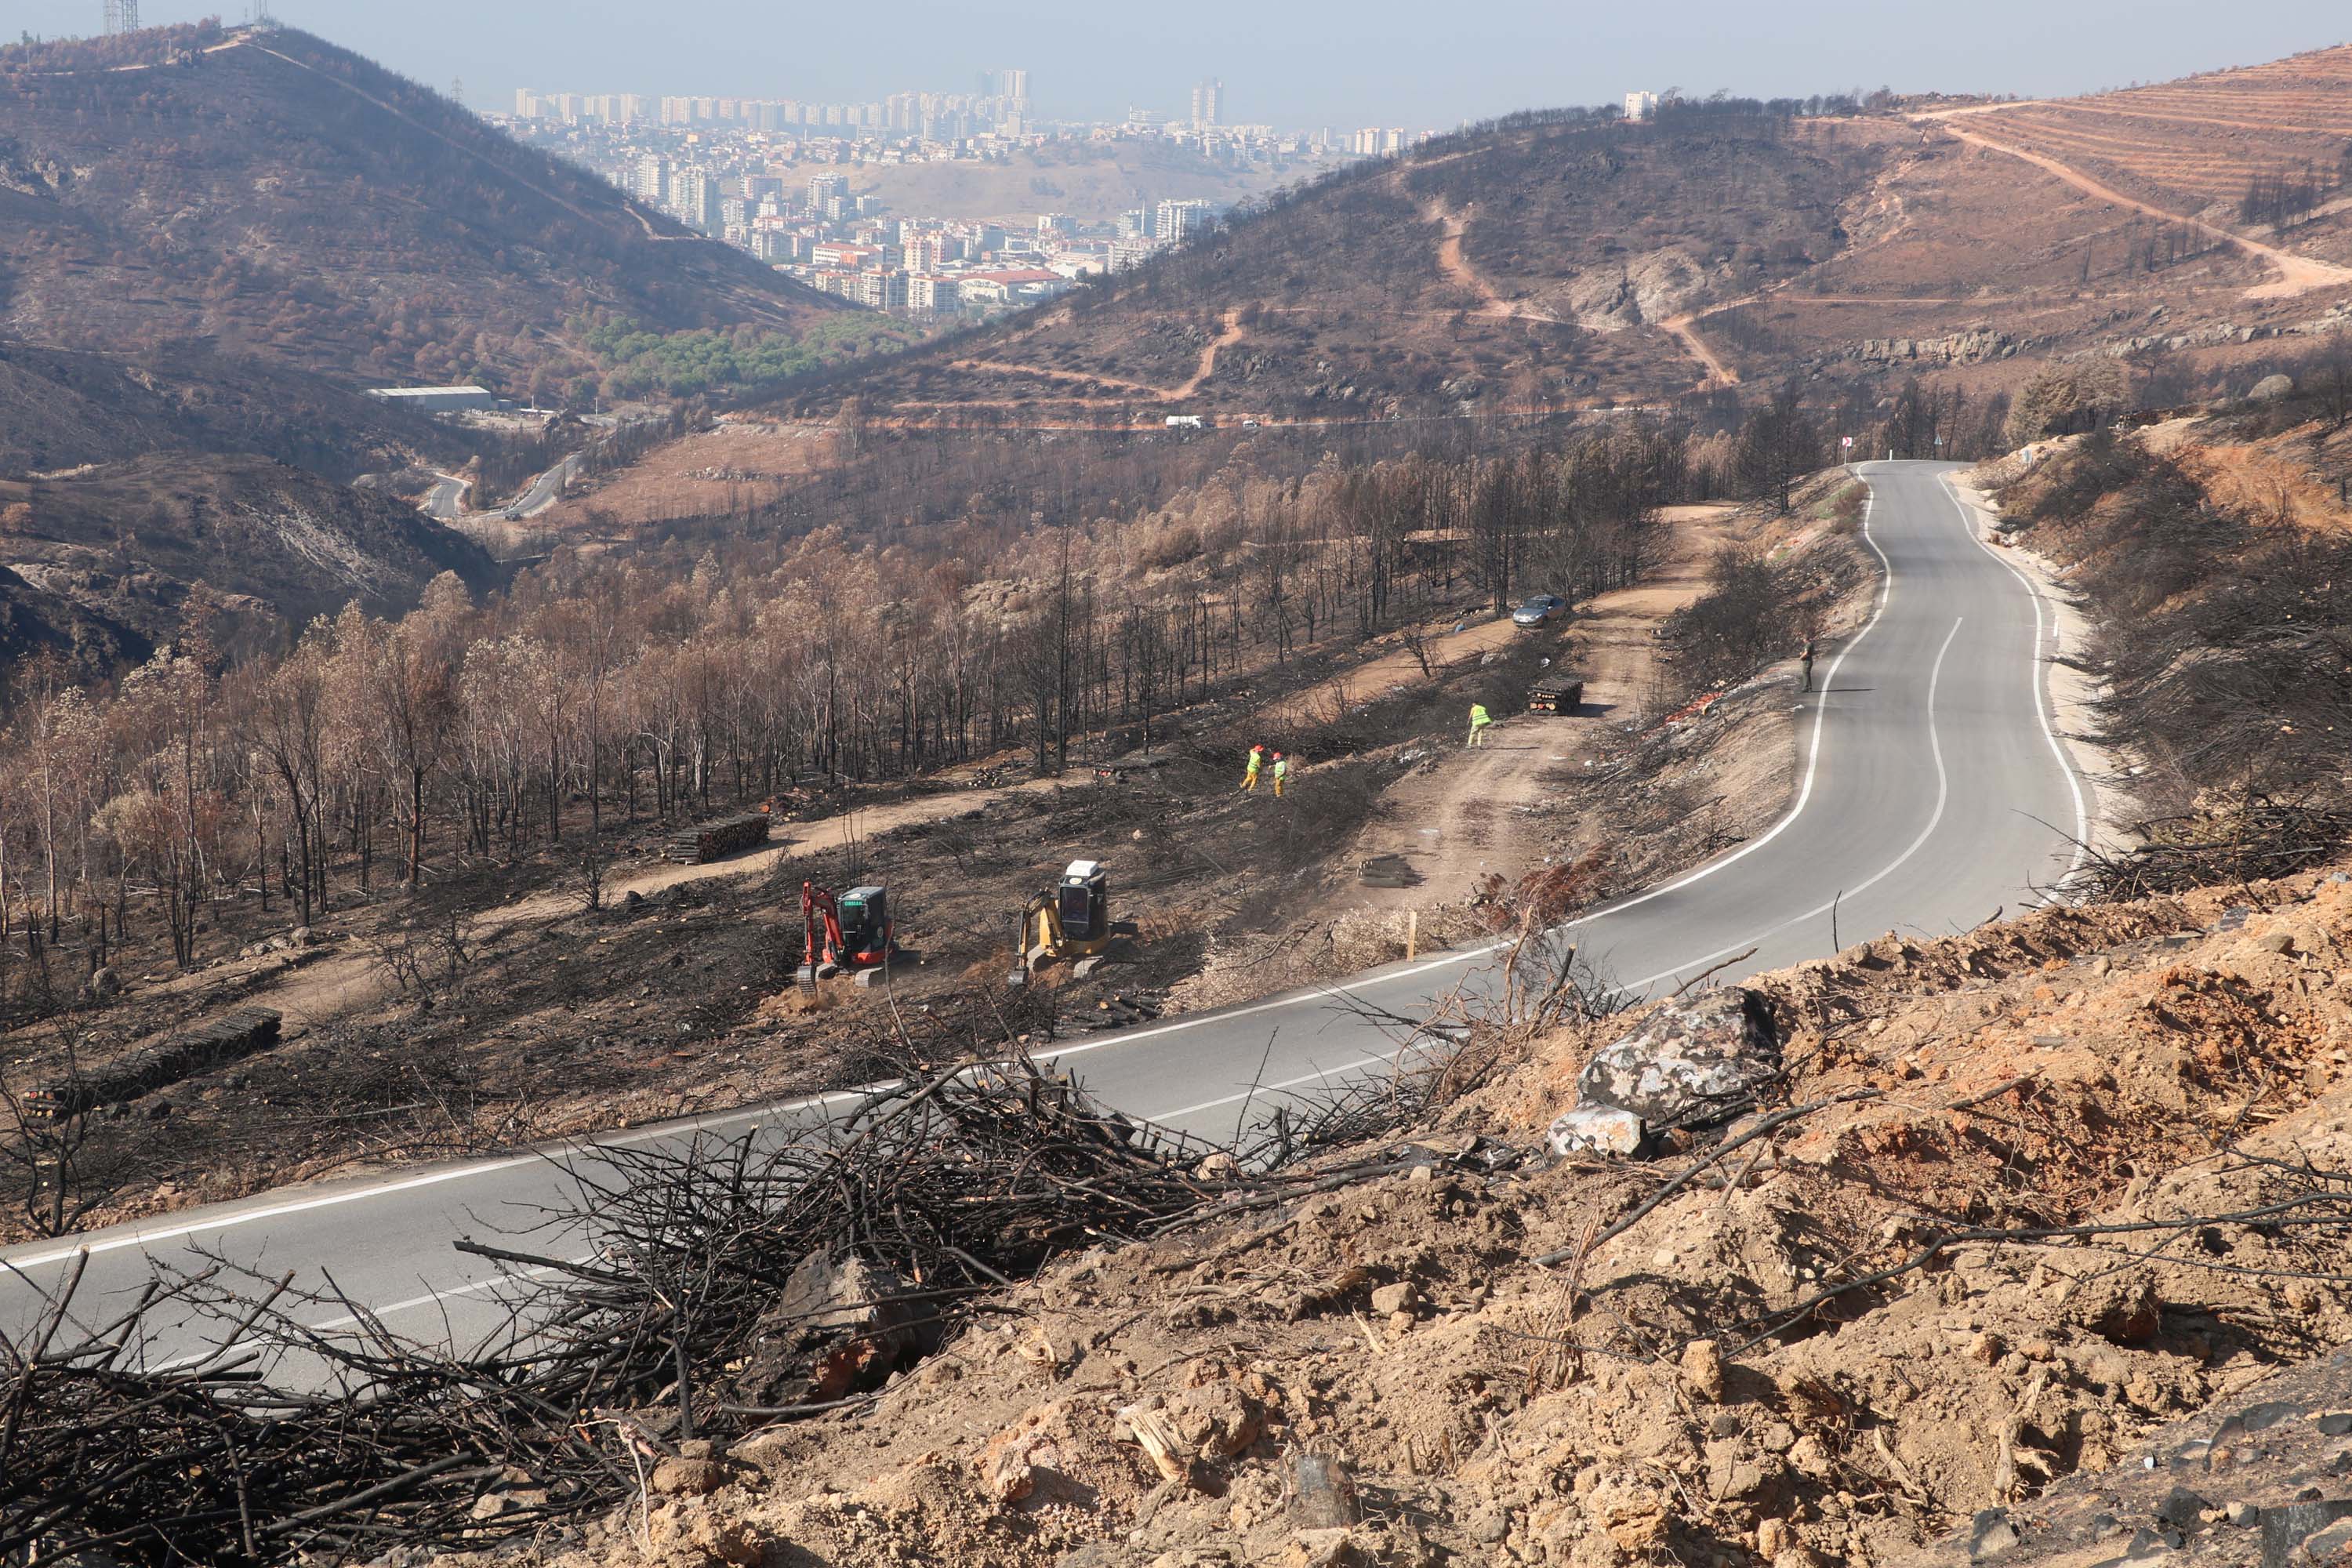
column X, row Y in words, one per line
column 1776, row 998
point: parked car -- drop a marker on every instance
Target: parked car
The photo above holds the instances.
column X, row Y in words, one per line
column 1540, row 610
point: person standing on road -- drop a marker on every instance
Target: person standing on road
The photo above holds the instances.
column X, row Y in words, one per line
column 1479, row 720
column 1249, row 778
column 1807, row 660
column 1281, row 771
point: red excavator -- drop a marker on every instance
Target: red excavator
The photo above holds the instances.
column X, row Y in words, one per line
column 843, row 931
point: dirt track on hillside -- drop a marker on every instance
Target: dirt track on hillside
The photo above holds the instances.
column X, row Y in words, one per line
column 1453, row 823
column 2298, row 275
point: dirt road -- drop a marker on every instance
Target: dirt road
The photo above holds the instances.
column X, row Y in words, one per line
column 1685, row 328
column 2297, row 274
column 1453, row 823
column 1455, row 264
column 1228, row 333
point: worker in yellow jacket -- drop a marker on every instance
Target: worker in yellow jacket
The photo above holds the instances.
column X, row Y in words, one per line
column 1249, row 777
column 1281, row 771
column 1479, row 720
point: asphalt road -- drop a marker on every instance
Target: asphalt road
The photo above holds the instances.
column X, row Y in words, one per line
column 1933, row 793
column 446, row 500
column 545, row 490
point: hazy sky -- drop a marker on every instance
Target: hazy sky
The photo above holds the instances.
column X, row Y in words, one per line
column 1337, row 62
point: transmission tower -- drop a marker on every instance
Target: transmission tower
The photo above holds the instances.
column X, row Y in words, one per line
column 121, row 16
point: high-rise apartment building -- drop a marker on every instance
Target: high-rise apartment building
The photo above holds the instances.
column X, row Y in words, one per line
column 527, row 105
column 825, row 189
column 1640, row 106
column 1208, row 102
column 695, row 199
column 1175, row 222
column 650, row 181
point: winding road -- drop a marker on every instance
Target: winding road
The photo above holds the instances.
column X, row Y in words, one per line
column 1934, row 792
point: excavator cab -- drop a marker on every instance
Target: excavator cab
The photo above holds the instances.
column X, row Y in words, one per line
column 1070, row 920
column 864, row 927
column 1083, row 901
column 843, row 931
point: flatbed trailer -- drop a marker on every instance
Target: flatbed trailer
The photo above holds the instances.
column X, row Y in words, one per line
column 1554, row 694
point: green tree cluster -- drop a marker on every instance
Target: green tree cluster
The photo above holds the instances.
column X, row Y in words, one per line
column 638, row 361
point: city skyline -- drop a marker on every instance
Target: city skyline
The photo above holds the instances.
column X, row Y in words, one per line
column 1389, row 62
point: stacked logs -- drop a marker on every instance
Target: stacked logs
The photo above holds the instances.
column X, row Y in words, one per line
column 202, row 1050
column 708, row 841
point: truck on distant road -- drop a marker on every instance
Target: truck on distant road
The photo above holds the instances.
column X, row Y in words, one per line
column 1187, row 422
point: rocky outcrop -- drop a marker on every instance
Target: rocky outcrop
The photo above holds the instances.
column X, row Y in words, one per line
column 1649, row 287
column 1976, row 347
column 1694, row 1062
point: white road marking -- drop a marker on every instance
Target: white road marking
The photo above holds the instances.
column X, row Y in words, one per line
column 765, row 1112
column 1454, row 959
column 1943, row 798
column 2033, row 678
column 1470, row 955
column 411, row 1184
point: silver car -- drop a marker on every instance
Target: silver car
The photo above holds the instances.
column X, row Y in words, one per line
column 1540, row 610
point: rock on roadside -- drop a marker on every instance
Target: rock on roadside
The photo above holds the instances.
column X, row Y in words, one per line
column 1694, row 1061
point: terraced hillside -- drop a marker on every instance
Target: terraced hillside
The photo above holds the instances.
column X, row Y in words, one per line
column 2200, row 146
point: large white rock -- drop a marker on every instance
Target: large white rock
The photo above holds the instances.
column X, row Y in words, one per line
column 1694, row 1062
column 1595, row 1130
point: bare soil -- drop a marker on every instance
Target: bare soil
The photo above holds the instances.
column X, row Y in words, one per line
column 1461, row 818
column 1705, row 1386
column 737, row 465
column 1653, row 783
column 491, row 1007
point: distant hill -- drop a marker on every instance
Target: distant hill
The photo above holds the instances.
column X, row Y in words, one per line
column 296, row 204
column 98, row 564
column 60, row 408
column 1535, row 262
column 1571, row 259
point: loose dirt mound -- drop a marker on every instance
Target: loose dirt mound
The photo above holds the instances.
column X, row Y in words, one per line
column 1838, row 1339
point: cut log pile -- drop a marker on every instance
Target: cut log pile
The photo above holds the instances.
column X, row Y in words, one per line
column 708, row 841
column 200, row 1049
column 1388, row 872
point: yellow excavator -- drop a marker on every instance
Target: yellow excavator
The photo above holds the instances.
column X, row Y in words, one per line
column 1071, row 920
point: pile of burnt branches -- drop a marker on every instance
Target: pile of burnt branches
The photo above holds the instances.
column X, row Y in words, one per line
column 692, row 1291
column 2260, row 838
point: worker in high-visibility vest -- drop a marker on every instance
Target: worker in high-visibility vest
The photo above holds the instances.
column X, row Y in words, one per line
column 1249, row 778
column 1281, row 771
column 1479, row 720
